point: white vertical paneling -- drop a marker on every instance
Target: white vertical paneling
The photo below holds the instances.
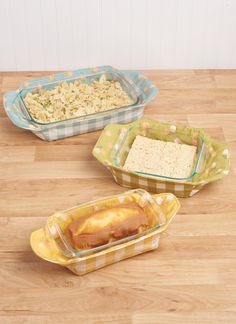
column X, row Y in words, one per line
column 211, row 33
column 183, row 35
column 135, row 34
column 155, row 24
column 168, row 35
column 19, row 34
column 108, row 39
column 33, row 26
column 138, row 34
column 64, row 34
column 227, row 34
column 7, row 46
column 198, row 26
column 122, row 34
column 93, row 26
column 50, row 36
column 79, row 46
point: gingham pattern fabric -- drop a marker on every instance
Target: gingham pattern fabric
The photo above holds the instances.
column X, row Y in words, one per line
column 54, row 131
column 214, row 165
column 131, row 180
column 44, row 245
column 89, row 264
column 90, row 125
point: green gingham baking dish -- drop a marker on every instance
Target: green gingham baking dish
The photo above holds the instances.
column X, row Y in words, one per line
column 214, row 165
column 144, row 90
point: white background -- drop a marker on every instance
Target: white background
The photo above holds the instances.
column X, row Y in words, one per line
column 144, row 34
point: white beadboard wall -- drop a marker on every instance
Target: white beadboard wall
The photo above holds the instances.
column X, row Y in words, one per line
column 129, row 34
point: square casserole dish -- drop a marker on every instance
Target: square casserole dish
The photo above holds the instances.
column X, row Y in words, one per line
column 140, row 90
column 211, row 162
column 51, row 242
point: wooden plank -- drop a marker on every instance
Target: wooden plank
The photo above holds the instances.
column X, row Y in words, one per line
column 182, row 79
column 64, row 152
column 44, row 196
column 17, row 154
column 65, row 298
column 51, row 170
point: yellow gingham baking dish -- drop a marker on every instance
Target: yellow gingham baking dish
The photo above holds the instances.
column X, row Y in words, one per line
column 213, row 166
column 46, row 248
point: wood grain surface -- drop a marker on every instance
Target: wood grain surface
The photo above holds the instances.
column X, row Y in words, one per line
column 191, row 278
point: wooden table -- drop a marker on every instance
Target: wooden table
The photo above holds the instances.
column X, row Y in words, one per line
column 191, row 278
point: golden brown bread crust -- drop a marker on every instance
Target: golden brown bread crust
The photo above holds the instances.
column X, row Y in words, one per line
column 107, row 225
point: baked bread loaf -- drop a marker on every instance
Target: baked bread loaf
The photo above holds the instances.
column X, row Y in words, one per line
column 107, row 225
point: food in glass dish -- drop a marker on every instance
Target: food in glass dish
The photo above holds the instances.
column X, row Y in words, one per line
column 167, row 159
column 108, row 225
column 75, row 99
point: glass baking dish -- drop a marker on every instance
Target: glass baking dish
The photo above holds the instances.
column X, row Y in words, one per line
column 125, row 139
column 45, row 247
column 57, row 225
column 212, row 160
column 138, row 87
column 130, row 88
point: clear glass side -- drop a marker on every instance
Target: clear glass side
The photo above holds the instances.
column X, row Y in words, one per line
column 130, row 89
column 62, row 240
column 201, row 161
column 124, row 142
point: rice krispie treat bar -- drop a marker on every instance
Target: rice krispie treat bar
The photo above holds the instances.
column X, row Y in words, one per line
column 159, row 157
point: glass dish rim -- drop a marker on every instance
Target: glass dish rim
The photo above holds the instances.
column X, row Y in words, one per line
column 119, row 75
column 81, row 253
column 153, row 175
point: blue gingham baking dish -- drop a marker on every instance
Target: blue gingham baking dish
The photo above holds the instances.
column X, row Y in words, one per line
column 138, row 87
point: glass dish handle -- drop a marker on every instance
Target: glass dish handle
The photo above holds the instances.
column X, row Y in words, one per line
column 15, row 113
column 146, row 89
column 128, row 80
column 169, row 205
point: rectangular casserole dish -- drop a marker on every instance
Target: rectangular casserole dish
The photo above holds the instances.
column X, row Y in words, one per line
column 51, row 243
column 125, row 139
column 211, row 162
column 139, row 89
